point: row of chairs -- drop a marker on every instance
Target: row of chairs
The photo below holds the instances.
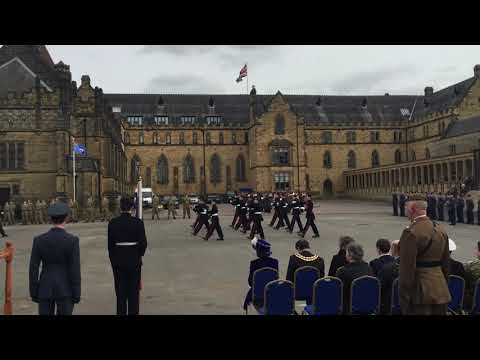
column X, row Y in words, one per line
column 324, row 296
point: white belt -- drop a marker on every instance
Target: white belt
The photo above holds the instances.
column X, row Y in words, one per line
column 126, row 243
column 258, row 213
column 214, row 214
column 285, row 206
column 204, row 213
column 243, row 207
column 296, row 207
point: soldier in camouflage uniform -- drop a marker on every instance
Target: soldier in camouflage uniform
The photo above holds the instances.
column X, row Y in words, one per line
column 30, row 212
column 38, row 212
column 90, row 210
column 7, row 214
column 472, row 275
column 13, row 206
column 155, row 205
column 106, row 209
column 24, row 213
column 44, row 212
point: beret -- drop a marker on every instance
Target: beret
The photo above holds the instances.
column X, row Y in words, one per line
column 58, row 209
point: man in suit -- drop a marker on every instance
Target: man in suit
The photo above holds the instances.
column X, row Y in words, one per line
column 340, row 259
column 395, row 204
column 127, row 244
column 387, row 276
column 440, row 207
column 383, row 249
column 304, row 257
column 58, row 252
column 310, row 218
column 424, row 255
column 215, row 224
column 354, row 269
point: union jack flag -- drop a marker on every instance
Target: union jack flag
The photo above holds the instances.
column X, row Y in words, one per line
column 243, row 73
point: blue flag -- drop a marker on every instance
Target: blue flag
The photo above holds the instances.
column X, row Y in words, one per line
column 79, row 149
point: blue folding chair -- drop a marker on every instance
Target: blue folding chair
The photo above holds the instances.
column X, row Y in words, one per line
column 304, row 278
column 456, row 285
column 365, row 296
column 260, row 279
column 395, row 303
column 279, row 298
column 327, row 297
column 476, row 300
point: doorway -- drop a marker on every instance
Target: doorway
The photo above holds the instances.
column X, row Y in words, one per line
column 328, row 188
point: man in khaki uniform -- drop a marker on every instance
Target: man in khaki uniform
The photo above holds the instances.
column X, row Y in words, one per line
column 424, row 263
column 13, row 206
column 171, row 207
column 186, row 206
column 38, row 212
column 44, row 212
column 24, row 213
column 106, row 209
column 90, row 210
column 30, row 212
column 155, row 205
column 7, row 214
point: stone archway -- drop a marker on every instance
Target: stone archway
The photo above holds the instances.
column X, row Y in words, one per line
column 328, row 188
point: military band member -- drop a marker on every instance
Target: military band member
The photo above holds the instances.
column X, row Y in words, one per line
column 424, row 264
column 186, row 206
column 215, row 224
column 395, row 203
column 202, row 218
column 127, row 244
column 283, row 221
column 74, row 209
column 452, row 216
column 250, row 211
column 297, row 207
column 470, row 206
column 58, row 253
column 460, row 207
column 257, row 220
column 441, row 207
column 402, row 200
column 310, row 218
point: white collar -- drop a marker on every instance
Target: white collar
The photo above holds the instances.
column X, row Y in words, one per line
column 415, row 219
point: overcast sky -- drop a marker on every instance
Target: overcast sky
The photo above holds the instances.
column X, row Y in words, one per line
column 306, row 69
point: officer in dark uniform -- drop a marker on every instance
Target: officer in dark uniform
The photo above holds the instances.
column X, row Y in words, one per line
column 470, row 207
column 434, row 206
column 202, row 219
column 127, row 244
column 1, row 228
column 215, row 224
column 401, row 202
column 478, row 212
column 257, row 220
column 395, row 204
column 284, row 221
column 428, row 198
column 460, row 207
column 310, row 218
column 276, row 208
column 58, row 252
column 297, row 207
column 250, row 211
column 236, row 204
column 440, row 207
column 196, row 209
column 242, row 217
column 267, row 203
column 452, row 217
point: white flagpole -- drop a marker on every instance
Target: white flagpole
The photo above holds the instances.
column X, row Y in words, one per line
column 246, row 65
column 74, row 174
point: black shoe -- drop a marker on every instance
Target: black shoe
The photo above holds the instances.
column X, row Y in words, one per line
column 220, row 239
column 4, row 235
column 205, row 238
column 315, row 236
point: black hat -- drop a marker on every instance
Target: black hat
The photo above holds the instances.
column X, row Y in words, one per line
column 58, row 209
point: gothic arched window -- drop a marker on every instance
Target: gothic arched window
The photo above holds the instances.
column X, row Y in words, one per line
column 215, row 169
column 327, row 160
column 279, row 125
column 375, row 159
column 162, row 170
column 240, row 168
column 188, row 170
column 398, row 157
column 220, row 138
column 134, row 169
column 352, row 160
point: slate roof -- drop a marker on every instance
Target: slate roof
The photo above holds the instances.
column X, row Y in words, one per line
column 463, row 127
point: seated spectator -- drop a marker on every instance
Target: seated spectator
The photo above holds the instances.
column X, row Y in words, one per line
column 263, row 249
column 387, row 276
column 472, row 275
column 304, row 257
column 383, row 249
column 354, row 269
column 456, row 267
column 340, row 259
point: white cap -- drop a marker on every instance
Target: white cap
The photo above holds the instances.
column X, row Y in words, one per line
column 451, row 245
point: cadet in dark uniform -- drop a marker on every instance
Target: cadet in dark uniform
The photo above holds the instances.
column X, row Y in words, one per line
column 1, row 229
column 452, row 217
column 395, row 204
column 402, row 201
column 478, row 212
column 215, row 225
column 196, row 209
column 470, row 207
column 236, row 204
column 58, row 252
column 297, row 207
column 203, row 218
column 433, row 199
column 460, row 207
column 424, row 263
column 283, row 218
column 310, row 218
column 126, row 246
column 276, row 210
column 257, row 220
column 250, row 211
column 242, row 217
column 440, row 207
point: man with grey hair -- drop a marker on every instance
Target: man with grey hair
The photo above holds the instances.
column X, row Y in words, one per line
column 354, row 269
column 424, row 265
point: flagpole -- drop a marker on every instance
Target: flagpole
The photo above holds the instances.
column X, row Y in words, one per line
column 74, row 192
column 246, row 65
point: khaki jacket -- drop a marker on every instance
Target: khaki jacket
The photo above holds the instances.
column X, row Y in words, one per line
column 423, row 285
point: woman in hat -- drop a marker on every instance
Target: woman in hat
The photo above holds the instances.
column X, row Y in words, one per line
column 263, row 249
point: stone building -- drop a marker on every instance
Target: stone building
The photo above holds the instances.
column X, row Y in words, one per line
column 328, row 145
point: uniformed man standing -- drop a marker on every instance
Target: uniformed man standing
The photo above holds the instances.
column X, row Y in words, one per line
column 24, row 213
column 90, row 209
column 215, row 224
column 74, row 209
column 7, row 215
column 38, row 212
column 171, row 207
column 58, row 252
column 127, row 244
column 310, row 218
column 401, row 202
column 452, row 216
column 203, row 218
column 106, row 209
column 30, row 212
column 440, row 207
column 460, row 207
column 424, row 263
column 395, row 203
column 13, row 215
column 186, row 206
column 155, row 205
column 236, row 204
column 296, row 210
column 470, row 206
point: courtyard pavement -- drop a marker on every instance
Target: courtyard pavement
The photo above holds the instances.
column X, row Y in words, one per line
column 183, row 274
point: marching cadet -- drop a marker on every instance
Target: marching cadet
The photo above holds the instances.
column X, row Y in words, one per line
column 257, row 220
column 478, row 212
column 310, row 218
column 401, row 202
column 460, row 207
column 250, row 211
column 155, row 205
column 242, row 217
column 107, row 215
column 171, row 207
column 440, row 207
column 215, row 224
column 296, row 210
column 127, row 244
column 185, row 206
column 452, row 217
column 283, row 217
column 395, row 203
column 1, row 230
column 24, row 213
column 196, row 209
column 202, row 219
column 424, row 264
column 236, row 204
column 470, row 206
column 276, row 209
column 58, row 253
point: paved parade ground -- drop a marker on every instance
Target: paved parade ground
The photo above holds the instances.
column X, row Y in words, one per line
column 183, row 274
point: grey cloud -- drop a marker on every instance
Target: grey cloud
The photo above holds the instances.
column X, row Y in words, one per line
column 183, row 83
